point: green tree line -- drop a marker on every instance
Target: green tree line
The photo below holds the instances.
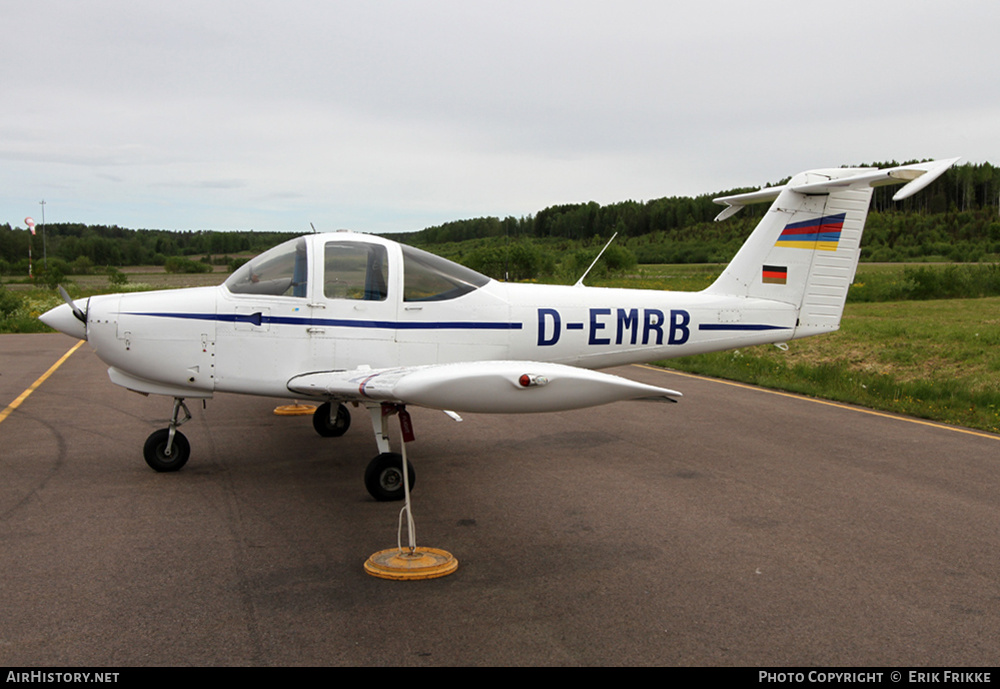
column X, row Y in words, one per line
column 83, row 246
column 956, row 219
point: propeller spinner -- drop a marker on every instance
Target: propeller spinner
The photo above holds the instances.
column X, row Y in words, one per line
column 67, row 318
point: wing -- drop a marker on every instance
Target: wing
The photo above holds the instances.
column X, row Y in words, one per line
column 492, row 387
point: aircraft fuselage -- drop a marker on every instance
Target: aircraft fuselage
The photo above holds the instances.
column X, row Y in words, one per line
column 205, row 340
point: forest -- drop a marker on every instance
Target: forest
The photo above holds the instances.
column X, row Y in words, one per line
column 956, row 219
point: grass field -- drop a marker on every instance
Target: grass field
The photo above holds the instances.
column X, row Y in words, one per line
column 936, row 359
column 139, row 277
column 22, row 303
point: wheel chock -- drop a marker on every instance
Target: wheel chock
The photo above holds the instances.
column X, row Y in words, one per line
column 420, row 563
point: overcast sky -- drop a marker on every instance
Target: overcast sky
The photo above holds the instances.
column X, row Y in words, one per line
column 382, row 116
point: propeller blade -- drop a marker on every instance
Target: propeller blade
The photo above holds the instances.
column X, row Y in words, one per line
column 80, row 315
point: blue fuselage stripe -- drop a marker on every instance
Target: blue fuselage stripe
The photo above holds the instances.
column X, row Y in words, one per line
column 740, row 326
column 258, row 319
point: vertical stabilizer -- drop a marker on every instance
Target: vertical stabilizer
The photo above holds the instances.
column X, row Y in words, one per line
column 805, row 249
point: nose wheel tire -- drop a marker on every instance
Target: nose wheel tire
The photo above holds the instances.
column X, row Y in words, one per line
column 155, row 449
column 384, row 477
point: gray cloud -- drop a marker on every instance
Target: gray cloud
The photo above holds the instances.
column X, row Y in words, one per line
column 396, row 115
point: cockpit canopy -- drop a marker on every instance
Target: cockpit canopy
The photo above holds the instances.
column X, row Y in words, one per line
column 353, row 269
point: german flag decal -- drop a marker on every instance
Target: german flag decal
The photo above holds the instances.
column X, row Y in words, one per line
column 775, row 275
column 821, row 234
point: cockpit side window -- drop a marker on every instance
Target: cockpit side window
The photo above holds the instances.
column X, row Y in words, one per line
column 427, row 277
column 281, row 271
column 355, row 270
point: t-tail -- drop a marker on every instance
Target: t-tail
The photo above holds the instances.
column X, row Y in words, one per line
column 805, row 250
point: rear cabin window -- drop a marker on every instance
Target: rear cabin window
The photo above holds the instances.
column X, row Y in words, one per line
column 355, row 270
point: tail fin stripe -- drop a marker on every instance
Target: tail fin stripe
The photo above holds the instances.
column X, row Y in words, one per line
column 820, row 233
column 805, row 225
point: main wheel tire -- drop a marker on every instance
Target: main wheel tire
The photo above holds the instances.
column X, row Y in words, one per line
column 155, row 451
column 323, row 425
column 384, row 477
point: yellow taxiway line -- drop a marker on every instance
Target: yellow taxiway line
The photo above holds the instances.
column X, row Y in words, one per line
column 34, row 386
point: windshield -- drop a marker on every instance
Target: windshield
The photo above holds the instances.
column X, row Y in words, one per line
column 427, row 277
column 280, row 271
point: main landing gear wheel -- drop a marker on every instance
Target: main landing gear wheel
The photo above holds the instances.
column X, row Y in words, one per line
column 384, row 477
column 155, row 451
column 331, row 427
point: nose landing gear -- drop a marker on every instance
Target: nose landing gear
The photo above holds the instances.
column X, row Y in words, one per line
column 168, row 449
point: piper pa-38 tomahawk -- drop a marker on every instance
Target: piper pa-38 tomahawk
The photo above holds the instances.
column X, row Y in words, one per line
column 353, row 318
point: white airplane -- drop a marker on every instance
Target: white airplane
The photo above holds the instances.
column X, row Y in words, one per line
column 353, row 318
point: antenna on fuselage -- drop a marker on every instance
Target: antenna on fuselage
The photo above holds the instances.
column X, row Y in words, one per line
column 579, row 283
column 315, row 231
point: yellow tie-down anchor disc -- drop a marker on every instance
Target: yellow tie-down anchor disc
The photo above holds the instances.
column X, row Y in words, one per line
column 406, row 564
column 295, row 409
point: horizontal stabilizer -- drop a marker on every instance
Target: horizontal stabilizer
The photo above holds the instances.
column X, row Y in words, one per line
column 915, row 177
column 492, row 387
